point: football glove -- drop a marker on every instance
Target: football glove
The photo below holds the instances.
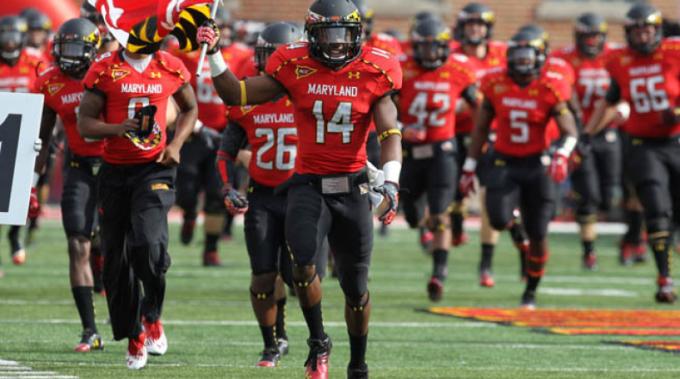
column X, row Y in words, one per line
column 211, row 137
column 146, row 117
column 559, row 167
column 209, row 34
column 235, row 203
column 33, row 204
column 414, row 133
column 671, row 116
column 387, row 210
column 466, row 184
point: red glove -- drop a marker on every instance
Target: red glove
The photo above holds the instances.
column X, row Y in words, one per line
column 559, row 167
column 414, row 134
column 209, row 34
column 466, row 184
column 33, row 204
column 235, row 203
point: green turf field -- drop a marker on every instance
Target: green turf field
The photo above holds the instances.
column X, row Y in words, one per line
column 212, row 333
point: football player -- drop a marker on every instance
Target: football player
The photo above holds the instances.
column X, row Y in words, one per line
column 125, row 102
column 197, row 172
column 434, row 80
column 270, row 130
column 522, row 100
column 599, row 171
column 18, row 73
column 39, row 33
column 75, row 48
column 381, row 41
column 336, row 88
column 646, row 74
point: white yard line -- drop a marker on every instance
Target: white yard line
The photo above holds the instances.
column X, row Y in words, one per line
column 605, row 292
column 12, row 369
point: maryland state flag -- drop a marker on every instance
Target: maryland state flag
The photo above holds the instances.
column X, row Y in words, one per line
column 141, row 25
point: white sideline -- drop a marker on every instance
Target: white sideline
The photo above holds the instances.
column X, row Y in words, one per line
column 12, row 369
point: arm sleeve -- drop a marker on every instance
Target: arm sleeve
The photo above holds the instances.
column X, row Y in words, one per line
column 469, row 94
column 613, row 93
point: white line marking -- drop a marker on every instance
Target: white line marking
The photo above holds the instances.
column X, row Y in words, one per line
column 606, row 292
column 16, row 370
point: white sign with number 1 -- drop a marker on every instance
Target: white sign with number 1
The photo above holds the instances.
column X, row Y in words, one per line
column 20, row 115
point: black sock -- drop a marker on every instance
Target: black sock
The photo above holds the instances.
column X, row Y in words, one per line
column 457, row 223
column 439, row 258
column 211, row 242
column 634, row 219
column 357, row 349
column 314, row 321
column 268, row 336
column 517, row 233
column 660, row 247
column 487, row 256
column 281, row 319
column 85, row 305
column 228, row 222
column 588, row 248
column 532, row 283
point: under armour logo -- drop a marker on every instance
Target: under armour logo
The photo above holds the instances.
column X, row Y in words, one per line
column 354, row 75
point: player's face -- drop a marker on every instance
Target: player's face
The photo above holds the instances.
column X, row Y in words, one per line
column 431, row 53
column 475, row 30
column 643, row 34
column 10, row 43
column 37, row 38
column 336, row 41
column 593, row 40
column 522, row 60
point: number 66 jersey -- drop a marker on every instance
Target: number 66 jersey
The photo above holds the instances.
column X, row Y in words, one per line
column 333, row 108
column 650, row 84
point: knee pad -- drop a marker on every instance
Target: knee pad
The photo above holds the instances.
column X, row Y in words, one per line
column 359, row 303
column 303, row 276
column 262, row 286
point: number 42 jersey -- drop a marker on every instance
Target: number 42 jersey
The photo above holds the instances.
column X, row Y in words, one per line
column 333, row 108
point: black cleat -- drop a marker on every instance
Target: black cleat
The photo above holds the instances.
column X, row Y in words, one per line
column 89, row 341
column 187, row 232
column 316, row 365
column 528, row 300
column 270, row 357
column 357, row 372
column 666, row 294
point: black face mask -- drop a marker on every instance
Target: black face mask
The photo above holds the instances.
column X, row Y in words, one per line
column 523, row 61
column 335, row 45
column 430, row 54
column 74, row 57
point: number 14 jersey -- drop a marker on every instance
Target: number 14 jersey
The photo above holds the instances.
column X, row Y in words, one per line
column 333, row 108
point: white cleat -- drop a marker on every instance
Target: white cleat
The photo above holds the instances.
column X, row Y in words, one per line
column 136, row 361
column 156, row 343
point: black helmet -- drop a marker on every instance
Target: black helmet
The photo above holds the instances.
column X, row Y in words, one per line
column 430, row 42
column 12, row 37
column 526, row 54
column 590, row 34
column 36, row 19
column 75, row 46
column 273, row 36
column 537, row 31
column 643, row 15
column 423, row 16
column 334, row 31
column 474, row 12
column 89, row 12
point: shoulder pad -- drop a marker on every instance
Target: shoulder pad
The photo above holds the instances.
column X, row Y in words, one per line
column 384, row 37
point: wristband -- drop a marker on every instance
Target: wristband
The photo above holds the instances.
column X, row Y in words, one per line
column 470, row 165
column 568, row 146
column 217, row 65
column 392, row 170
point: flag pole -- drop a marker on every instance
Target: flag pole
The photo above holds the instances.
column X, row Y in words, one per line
column 204, row 46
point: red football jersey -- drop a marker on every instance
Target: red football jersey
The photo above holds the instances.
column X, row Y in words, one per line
column 651, row 85
column 556, row 68
column 385, row 42
column 592, row 79
column 523, row 113
column 495, row 57
column 22, row 76
column 428, row 97
column 211, row 110
column 126, row 91
column 272, row 136
column 333, row 108
column 63, row 95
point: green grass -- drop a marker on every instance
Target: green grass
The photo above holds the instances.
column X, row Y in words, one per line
column 211, row 330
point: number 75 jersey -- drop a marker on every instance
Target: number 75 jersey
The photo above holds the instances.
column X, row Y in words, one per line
column 333, row 108
column 651, row 85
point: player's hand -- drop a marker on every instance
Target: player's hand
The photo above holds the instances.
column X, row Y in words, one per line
column 559, row 167
column 170, row 156
column 582, row 152
column 466, row 185
column 209, row 34
column 387, row 210
column 671, row 116
column 235, row 203
column 414, row 133
column 33, row 204
column 128, row 125
column 211, row 137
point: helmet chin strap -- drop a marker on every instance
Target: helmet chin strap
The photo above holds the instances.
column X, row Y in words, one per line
column 9, row 55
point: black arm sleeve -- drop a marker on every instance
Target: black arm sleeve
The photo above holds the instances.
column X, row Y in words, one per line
column 613, row 93
column 234, row 138
column 469, row 94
